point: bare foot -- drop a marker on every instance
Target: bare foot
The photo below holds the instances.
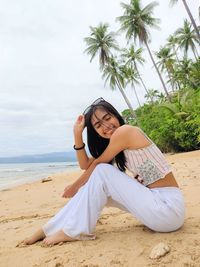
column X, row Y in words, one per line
column 58, row 237
column 39, row 235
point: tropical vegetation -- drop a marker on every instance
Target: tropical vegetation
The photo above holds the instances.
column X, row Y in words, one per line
column 172, row 117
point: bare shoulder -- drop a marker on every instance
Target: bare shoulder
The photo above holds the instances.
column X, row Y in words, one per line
column 132, row 135
column 127, row 130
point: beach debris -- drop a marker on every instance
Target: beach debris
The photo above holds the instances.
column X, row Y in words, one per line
column 160, row 250
column 48, row 179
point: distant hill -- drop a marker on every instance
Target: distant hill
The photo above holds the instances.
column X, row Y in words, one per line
column 48, row 157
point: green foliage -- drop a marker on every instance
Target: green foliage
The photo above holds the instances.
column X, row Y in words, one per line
column 100, row 42
column 166, row 127
column 187, row 38
column 172, row 120
column 187, row 73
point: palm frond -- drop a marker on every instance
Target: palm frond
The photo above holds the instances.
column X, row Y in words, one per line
column 173, row 2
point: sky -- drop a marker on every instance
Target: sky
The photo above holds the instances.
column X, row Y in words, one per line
column 46, row 79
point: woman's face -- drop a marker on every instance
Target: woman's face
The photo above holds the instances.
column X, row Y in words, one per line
column 104, row 123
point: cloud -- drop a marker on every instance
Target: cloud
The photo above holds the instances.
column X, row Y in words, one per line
column 46, row 80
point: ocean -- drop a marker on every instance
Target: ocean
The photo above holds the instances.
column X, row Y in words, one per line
column 15, row 174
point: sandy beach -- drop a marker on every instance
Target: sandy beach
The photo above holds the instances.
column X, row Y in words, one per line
column 121, row 239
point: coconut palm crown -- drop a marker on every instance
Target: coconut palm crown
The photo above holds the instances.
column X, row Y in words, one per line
column 187, row 38
column 137, row 21
column 196, row 28
column 100, row 41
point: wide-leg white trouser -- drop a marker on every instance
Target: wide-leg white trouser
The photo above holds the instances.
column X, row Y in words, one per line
column 160, row 209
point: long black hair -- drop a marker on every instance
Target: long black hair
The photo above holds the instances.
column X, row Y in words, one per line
column 98, row 144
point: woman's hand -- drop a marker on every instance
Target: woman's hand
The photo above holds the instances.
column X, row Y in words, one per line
column 69, row 191
column 79, row 125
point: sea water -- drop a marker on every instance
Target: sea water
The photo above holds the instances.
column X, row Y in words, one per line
column 20, row 173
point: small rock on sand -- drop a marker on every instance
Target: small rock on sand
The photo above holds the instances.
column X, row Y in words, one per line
column 159, row 250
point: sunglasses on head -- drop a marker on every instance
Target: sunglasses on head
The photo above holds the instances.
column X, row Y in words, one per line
column 95, row 103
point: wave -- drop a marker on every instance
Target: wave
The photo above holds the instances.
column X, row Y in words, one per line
column 12, row 170
column 11, row 174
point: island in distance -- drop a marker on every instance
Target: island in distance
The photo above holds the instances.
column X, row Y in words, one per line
column 69, row 156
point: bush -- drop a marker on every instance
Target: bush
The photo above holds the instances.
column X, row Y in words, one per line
column 171, row 131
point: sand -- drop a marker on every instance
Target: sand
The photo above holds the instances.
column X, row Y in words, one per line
column 121, row 239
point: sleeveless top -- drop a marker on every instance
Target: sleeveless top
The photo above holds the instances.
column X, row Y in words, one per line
column 147, row 164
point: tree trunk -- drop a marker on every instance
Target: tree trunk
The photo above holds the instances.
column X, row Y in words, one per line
column 176, row 81
column 176, row 55
column 126, row 100
column 191, row 18
column 140, row 78
column 161, row 79
column 136, row 95
column 195, row 53
column 170, row 78
column 145, row 88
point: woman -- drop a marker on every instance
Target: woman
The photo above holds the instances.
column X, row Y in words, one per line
column 151, row 193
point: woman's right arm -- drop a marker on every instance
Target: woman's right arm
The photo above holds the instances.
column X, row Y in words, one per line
column 83, row 159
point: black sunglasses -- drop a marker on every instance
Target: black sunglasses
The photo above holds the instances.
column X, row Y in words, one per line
column 95, row 103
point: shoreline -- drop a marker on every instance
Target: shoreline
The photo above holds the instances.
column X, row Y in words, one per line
column 15, row 174
column 69, row 170
column 121, row 239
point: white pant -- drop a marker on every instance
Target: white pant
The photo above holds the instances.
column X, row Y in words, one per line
column 160, row 209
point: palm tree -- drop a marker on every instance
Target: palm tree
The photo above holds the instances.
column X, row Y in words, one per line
column 131, row 77
column 152, row 95
column 166, row 61
column 172, row 42
column 113, row 73
column 100, row 42
column 195, row 74
column 172, row 2
column 187, row 39
column 132, row 58
column 174, row 79
column 135, row 22
column 182, row 72
column 161, row 98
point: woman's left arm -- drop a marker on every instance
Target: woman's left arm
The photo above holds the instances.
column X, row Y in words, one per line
column 119, row 141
